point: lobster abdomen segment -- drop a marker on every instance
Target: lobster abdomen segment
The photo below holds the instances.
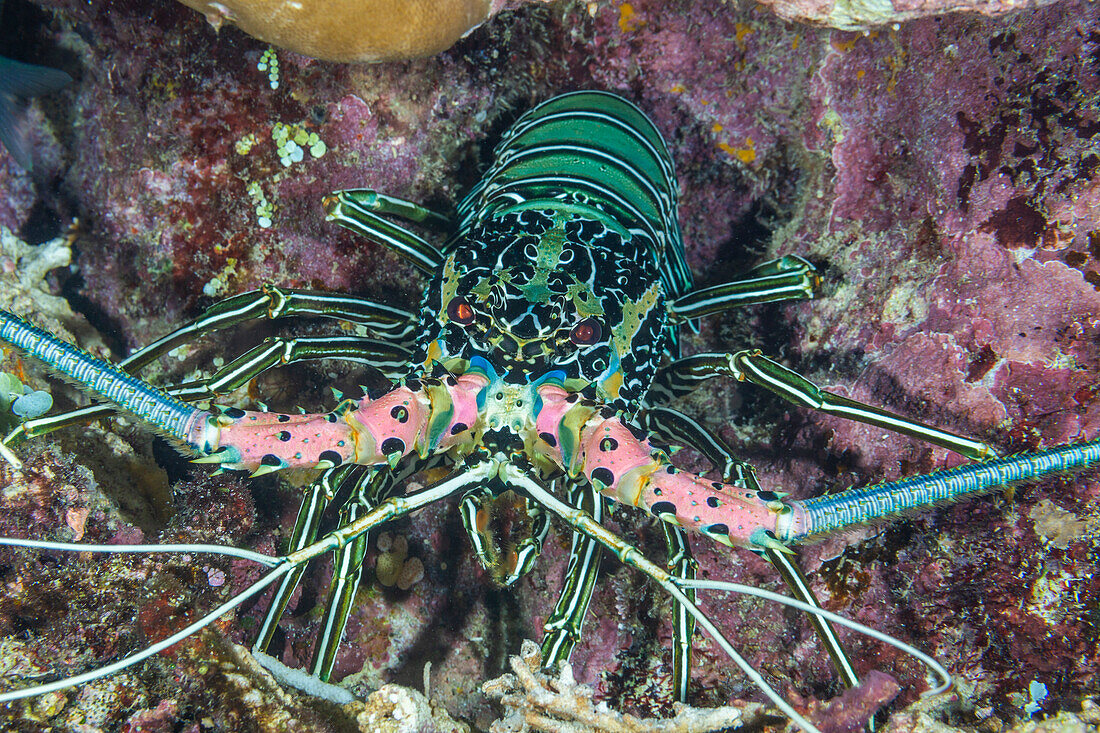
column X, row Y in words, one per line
column 594, row 150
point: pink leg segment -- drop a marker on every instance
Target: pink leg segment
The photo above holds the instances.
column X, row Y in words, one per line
column 628, row 469
column 368, row 432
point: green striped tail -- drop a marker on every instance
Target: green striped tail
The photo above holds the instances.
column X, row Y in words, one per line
column 596, row 150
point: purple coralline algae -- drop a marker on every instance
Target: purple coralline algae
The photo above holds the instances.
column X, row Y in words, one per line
column 942, row 173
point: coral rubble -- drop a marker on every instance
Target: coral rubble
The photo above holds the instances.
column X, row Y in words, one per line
column 535, row 702
column 864, row 15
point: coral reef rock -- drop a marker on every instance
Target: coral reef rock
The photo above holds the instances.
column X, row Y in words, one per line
column 852, row 15
column 943, row 174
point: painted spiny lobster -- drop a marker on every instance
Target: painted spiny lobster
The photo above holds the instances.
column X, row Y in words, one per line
column 541, row 363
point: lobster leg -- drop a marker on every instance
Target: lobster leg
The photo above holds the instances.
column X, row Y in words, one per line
column 271, row 302
column 528, row 549
column 359, row 209
column 680, row 564
column 278, row 351
column 788, row 567
column 674, row 426
column 316, row 500
column 361, row 488
column 751, row 366
column 563, row 627
column 787, row 278
column 476, row 510
column 346, row 573
column 380, row 203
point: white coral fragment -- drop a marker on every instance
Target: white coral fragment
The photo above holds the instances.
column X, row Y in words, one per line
column 23, row 288
column 396, row 709
column 533, row 701
column 1055, row 525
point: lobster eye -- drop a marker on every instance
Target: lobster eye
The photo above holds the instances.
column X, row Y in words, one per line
column 586, row 333
column 459, row 311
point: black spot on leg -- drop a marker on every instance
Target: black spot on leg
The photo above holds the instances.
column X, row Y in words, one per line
column 393, row 445
column 234, row 412
column 549, row 439
column 608, row 444
column 604, row 476
column 271, row 460
column 400, row 413
column 284, row 418
column 663, row 507
column 713, row 503
column 459, row 427
column 283, row 435
column 330, row 455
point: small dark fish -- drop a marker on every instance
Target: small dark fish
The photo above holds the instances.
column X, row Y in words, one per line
column 18, row 82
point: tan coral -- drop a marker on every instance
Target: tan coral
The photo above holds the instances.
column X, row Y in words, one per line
column 395, row 709
column 352, row 30
column 394, row 566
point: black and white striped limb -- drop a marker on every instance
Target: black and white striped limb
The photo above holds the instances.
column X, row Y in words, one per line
column 751, row 366
column 787, row 278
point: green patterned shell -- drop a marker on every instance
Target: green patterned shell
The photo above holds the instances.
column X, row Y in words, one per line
column 566, row 254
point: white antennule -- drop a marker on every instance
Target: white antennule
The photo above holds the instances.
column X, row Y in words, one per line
column 280, row 566
column 674, row 586
column 930, row 662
